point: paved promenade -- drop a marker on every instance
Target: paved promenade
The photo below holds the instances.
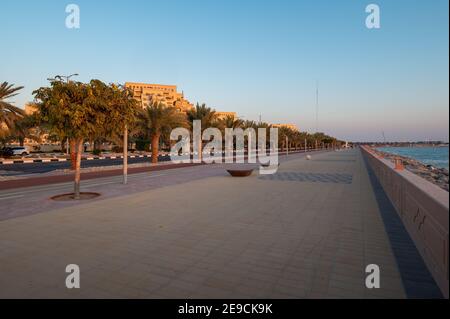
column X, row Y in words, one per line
column 307, row 232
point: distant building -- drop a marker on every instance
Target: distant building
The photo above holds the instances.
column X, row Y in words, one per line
column 290, row 126
column 224, row 115
column 167, row 94
column 30, row 108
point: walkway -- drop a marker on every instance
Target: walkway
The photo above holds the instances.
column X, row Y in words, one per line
column 307, row 232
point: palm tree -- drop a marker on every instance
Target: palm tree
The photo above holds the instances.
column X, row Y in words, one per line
column 229, row 122
column 267, row 128
column 284, row 134
column 208, row 119
column 203, row 113
column 26, row 127
column 249, row 124
column 159, row 119
column 8, row 112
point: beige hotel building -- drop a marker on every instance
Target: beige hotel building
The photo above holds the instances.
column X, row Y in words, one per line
column 289, row 126
column 166, row 94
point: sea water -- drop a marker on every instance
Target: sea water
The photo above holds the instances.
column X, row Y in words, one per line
column 435, row 156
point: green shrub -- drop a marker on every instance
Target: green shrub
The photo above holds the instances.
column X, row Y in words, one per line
column 117, row 149
column 142, row 145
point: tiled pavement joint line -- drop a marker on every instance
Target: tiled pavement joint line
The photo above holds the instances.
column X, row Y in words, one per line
column 408, row 258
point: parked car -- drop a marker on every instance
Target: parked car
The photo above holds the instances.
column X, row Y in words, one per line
column 14, row 151
column 6, row 152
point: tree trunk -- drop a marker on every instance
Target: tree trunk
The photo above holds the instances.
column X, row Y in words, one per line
column 155, row 148
column 76, row 192
column 125, row 155
column 97, row 147
column 287, row 145
column 73, row 153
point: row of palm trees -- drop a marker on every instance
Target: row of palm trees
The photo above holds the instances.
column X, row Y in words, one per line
column 159, row 119
column 153, row 123
column 96, row 112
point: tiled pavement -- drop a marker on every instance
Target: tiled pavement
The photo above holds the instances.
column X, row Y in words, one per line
column 17, row 202
column 214, row 237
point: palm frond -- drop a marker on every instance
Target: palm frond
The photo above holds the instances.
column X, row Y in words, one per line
column 8, row 90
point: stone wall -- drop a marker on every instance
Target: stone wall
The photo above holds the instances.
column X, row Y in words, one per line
column 424, row 210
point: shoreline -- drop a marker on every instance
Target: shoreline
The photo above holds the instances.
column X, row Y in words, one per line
column 435, row 175
column 410, row 145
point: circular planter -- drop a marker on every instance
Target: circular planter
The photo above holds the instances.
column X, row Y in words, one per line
column 71, row 196
column 240, row 172
column 268, row 165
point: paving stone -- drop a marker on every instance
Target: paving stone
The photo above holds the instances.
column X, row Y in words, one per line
column 306, row 232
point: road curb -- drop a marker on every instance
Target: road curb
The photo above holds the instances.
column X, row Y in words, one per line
column 48, row 160
column 93, row 158
column 45, row 180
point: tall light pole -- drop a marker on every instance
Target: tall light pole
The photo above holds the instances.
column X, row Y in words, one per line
column 317, row 106
column 317, row 111
column 125, row 148
column 287, row 145
column 125, row 155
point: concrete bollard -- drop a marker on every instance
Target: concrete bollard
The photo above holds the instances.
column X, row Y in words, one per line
column 399, row 164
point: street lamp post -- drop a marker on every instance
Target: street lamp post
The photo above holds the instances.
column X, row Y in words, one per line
column 125, row 155
column 287, row 146
column 63, row 77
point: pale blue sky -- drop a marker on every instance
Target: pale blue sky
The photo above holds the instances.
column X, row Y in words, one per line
column 251, row 56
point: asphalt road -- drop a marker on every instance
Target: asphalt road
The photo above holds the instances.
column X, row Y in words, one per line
column 34, row 168
column 38, row 168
